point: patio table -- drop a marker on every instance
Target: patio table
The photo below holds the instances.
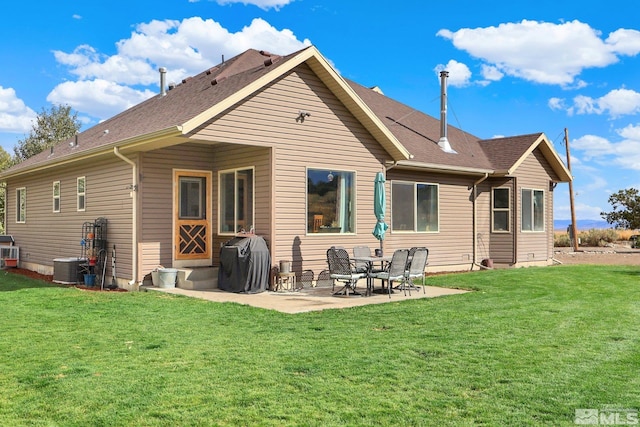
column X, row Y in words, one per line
column 370, row 262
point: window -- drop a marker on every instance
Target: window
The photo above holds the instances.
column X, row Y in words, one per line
column 500, row 210
column 236, row 204
column 21, row 205
column 56, row 196
column 330, row 201
column 81, row 191
column 193, row 198
column 414, row 207
column 532, row 210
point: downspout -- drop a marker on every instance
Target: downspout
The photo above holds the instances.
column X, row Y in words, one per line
column 475, row 222
column 134, row 214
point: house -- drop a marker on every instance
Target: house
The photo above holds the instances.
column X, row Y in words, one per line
column 286, row 147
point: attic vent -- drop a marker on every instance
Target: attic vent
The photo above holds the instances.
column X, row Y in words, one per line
column 211, row 70
column 271, row 60
column 265, row 53
column 217, row 80
column 172, row 85
column 186, row 80
column 377, row 89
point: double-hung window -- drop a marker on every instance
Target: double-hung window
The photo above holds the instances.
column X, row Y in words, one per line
column 236, row 204
column 500, row 212
column 330, row 201
column 414, row 207
column 21, row 205
column 81, row 193
column 532, row 210
column 56, row 196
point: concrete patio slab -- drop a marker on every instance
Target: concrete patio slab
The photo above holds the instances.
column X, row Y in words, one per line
column 305, row 300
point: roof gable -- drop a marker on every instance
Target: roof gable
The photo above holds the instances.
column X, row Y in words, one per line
column 507, row 154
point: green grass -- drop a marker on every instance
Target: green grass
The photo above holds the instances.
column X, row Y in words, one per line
column 528, row 347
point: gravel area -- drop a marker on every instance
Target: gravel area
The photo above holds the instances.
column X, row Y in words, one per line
column 616, row 254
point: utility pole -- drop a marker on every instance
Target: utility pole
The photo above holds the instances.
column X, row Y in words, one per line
column 574, row 226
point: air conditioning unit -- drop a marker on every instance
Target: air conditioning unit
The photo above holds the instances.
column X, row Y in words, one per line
column 65, row 270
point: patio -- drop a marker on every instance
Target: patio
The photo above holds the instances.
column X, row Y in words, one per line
column 305, row 300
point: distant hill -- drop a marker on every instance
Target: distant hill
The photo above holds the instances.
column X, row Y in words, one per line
column 583, row 224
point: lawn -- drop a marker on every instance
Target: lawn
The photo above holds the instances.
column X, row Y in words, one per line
column 528, row 347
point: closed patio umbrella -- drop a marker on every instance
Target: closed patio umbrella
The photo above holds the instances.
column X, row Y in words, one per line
column 379, row 207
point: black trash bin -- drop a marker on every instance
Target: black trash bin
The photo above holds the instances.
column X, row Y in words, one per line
column 245, row 264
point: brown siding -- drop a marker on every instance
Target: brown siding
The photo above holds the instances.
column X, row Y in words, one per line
column 156, row 206
column 535, row 173
column 47, row 235
column 453, row 243
column 330, row 138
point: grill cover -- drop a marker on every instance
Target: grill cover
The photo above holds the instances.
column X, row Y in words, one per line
column 245, row 263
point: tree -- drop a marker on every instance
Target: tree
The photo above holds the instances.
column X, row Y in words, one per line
column 51, row 127
column 626, row 209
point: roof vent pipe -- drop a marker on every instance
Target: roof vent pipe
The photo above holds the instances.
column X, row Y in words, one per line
column 163, row 78
column 443, row 143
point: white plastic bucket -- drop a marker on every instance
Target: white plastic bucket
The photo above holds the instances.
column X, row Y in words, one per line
column 167, row 277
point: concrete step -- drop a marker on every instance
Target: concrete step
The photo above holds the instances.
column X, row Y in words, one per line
column 197, row 278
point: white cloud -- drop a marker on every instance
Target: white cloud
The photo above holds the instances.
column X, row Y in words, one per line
column 262, row 4
column 556, row 103
column 15, row 116
column 544, row 52
column 459, row 73
column 491, row 72
column 623, row 154
column 616, row 103
column 83, row 96
column 624, row 42
column 108, row 84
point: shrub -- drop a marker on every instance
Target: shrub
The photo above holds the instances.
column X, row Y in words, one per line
column 561, row 240
column 598, row 237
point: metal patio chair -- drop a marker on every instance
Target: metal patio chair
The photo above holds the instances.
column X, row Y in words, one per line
column 395, row 270
column 342, row 269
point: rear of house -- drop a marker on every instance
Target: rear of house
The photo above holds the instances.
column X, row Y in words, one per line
column 285, row 148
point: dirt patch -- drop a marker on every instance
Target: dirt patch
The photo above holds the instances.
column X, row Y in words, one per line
column 47, row 278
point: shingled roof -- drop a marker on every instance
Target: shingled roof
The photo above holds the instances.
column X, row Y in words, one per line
column 410, row 136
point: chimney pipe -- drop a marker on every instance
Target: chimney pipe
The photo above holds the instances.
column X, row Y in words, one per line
column 163, row 78
column 443, row 143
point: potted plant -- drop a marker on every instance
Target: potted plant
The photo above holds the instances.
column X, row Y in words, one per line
column 92, row 256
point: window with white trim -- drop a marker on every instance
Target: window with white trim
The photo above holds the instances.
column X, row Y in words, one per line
column 236, row 200
column 500, row 210
column 532, row 210
column 414, row 207
column 330, row 201
column 21, row 205
column 56, row 196
column 81, row 191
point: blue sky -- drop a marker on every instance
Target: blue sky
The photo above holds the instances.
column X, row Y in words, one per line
column 515, row 67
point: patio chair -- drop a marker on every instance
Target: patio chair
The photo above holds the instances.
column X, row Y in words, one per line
column 395, row 270
column 342, row 270
column 359, row 252
column 416, row 263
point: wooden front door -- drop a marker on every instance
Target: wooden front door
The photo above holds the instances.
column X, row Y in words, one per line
column 192, row 214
